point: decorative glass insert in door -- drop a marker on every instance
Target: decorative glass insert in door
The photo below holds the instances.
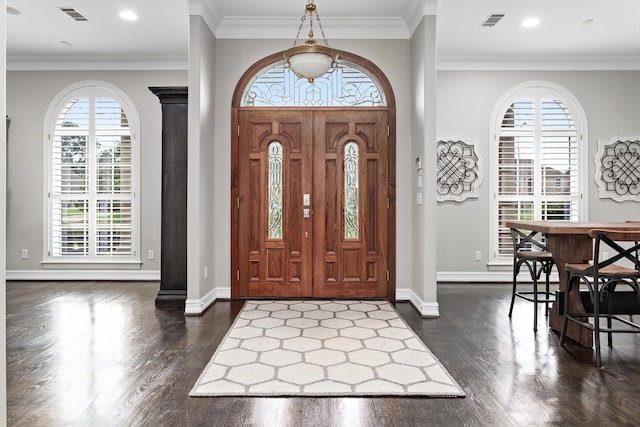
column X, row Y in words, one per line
column 274, row 204
column 351, row 192
column 345, row 85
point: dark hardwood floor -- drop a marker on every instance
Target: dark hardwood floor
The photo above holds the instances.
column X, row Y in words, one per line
column 101, row 354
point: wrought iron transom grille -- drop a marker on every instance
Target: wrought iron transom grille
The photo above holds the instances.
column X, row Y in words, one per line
column 344, row 85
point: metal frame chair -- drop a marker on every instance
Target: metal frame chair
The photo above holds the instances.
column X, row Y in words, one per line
column 602, row 277
column 531, row 251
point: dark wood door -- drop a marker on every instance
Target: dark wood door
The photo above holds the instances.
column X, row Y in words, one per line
column 351, row 204
column 275, row 240
column 313, row 203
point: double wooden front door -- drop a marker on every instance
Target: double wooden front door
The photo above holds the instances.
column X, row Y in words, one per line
column 313, row 203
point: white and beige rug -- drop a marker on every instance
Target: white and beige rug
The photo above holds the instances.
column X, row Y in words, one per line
column 323, row 348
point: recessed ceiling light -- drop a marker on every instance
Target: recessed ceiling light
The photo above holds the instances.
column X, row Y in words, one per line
column 128, row 15
column 12, row 11
column 530, row 22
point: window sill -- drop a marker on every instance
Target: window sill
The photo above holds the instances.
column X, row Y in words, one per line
column 92, row 264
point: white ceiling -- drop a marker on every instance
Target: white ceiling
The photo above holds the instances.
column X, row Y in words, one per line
column 160, row 37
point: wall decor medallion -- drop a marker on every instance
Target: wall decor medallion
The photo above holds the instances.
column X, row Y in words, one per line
column 618, row 168
column 458, row 173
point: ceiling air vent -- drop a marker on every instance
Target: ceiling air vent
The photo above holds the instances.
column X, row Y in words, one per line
column 492, row 20
column 73, row 13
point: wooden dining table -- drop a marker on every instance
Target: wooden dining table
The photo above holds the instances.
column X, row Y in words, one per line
column 569, row 242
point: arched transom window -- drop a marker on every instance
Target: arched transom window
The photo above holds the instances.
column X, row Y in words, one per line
column 345, row 85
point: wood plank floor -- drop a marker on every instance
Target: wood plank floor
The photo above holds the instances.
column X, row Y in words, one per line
column 101, row 354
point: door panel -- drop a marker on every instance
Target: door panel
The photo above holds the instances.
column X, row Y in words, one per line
column 274, row 263
column 340, row 248
column 350, row 253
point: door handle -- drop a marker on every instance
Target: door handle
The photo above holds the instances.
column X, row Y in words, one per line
column 306, row 202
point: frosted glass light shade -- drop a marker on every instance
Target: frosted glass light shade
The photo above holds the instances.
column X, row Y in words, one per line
column 310, row 61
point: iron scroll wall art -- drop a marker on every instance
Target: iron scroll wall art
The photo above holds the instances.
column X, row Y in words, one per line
column 618, row 169
column 458, row 174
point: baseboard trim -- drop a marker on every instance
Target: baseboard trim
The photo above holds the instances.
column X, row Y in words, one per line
column 474, row 276
column 197, row 306
column 426, row 309
column 487, row 276
column 50, row 275
column 154, row 275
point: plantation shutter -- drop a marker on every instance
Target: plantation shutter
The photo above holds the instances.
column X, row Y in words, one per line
column 91, row 182
column 538, row 166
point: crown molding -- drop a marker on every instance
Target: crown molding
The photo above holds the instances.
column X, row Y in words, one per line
column 234, row 27
column 445, row 62
column 512, row 62
column 430, row 7
column 274, row 27
column 195, row 7
column 208, row 11
column 414, row 15
column 105, row 62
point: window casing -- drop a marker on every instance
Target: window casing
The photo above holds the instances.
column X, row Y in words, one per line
column 92, row 163
column 539, row 157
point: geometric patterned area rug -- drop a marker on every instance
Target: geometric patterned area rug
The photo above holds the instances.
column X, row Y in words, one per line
column 323, row 348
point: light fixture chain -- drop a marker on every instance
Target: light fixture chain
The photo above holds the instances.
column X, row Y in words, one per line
column 326, row 43
column 304, row 17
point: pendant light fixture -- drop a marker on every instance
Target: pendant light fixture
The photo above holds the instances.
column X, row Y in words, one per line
column 310, row 60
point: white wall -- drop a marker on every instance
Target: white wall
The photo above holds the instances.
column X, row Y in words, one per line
column 29, row 94
column 611, row 102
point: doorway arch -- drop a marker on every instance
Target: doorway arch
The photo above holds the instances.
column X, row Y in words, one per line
column 375, row 269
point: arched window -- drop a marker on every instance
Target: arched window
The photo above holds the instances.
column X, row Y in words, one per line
column 539, row 156
column 345, row 85
column 92, row 150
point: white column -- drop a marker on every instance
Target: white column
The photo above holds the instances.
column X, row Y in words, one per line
column 429, row 161
column 3, row 211
column 424, row 83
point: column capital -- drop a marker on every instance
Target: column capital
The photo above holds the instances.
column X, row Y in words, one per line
column 430, row 7
column 195, row 7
